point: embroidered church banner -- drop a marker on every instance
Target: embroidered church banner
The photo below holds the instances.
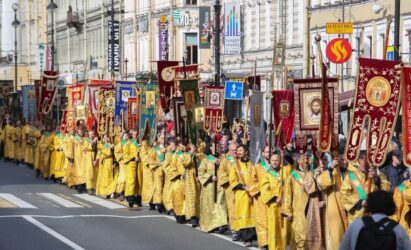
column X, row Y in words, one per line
column 284, row 114
column 47, row 91
column 325, row 130
column 149, row 95
column 29, row 103
column 406, row 115
column 106, row 106
column 214, row 107
column 132, row 112
column 257, row 132
column 93, row 94
column 166, row 75
column 125, row 90
column 307, row 105
column 377, row 103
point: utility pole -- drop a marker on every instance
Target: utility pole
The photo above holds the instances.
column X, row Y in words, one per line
column 112, row 39
column 52, row 7
column 15, row 24
column 397, row 30
column 217, row 14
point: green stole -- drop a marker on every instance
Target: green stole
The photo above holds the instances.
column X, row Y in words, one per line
column 297, row 177
column 159, row 154
column 401, row 187
column 357, row 186
column 269, row 169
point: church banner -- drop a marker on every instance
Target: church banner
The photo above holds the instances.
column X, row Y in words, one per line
column 190, row 93
column 93, row 93
column 257, row 132
column 37, row 86
column 406, row 115
column 125, row 90
column 132, row 112
column 307, row 104
column 29, row 103
column 214, row 107
column 148, row 112
column 106, row 107
column 376, row 103
column 75, row 95
column 191, row 72
column 325, row 130
column 47, row 91
column 284, row 115
column 166, row 76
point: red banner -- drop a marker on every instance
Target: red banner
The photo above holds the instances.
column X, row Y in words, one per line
column 406, row 115
column 93, row 88
column 133, row 111
column 47, row 91
column 325, row 129
column 284, row 114
column 214, row 107
column 377, row 102
column 166, row 75
column 191, row 72
column 63, row 125
column 75, row 96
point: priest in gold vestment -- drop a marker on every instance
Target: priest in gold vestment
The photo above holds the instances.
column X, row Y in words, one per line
column 213, row 208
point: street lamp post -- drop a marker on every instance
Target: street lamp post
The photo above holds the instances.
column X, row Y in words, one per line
column 52, row 7
column 217, row 14
column 125, row 64
column 15, row 25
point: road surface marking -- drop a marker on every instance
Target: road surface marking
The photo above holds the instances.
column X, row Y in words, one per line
column 99, row 201
column 16, row 201
column 75, row 201
column 5, row 204
column 60, row 200
column 52, row 232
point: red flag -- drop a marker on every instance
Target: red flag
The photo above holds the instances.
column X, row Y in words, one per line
column 166, row 77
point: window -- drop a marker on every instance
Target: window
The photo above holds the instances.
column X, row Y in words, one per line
column 191, row 2
column 368, row 50
column 191, row 48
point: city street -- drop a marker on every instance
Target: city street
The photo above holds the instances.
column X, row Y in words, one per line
column 38, row 214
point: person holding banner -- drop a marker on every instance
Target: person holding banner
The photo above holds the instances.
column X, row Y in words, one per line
column 213, row 208
column 120, row 181
column 191, row 188
column 17, row 147
column 167, row 188
column 79, row 168
column 242, row 184
column 90, row 161
column 296, row 200
column 148, row 177
column 330, row 182
column 57, row 155
column 68, row 150
column 260, row 206
column 271, row 188
column 8, row 141
column 227, row 161
column 402, row 199
column 360, row 182
column 104, row 183
column 132, row 160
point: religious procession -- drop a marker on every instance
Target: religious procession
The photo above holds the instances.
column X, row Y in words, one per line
column 295, row 183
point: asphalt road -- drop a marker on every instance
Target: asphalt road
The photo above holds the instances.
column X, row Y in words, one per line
column 38, row 214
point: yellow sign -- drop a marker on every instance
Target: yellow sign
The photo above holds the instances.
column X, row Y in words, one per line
column 339, row 28
column 163, row 19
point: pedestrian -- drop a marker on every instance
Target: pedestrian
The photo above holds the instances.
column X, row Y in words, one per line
column 396, row 172
column 376, row 231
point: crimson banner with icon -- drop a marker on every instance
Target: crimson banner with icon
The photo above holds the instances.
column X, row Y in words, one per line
column 377, row 102
column 284, row 114
column 133, row 111
column 106, row 107
column 214, row 109
column 406, row 115
column 47, row 91
column 166, row 76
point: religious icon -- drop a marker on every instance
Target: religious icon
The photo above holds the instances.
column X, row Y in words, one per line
column 110, row 102
column 315, row 107
column 50, row 85
column 150, row 99
column 199, row 114
column 189, row 99
column 284, row 109
column 378, row 91
column 134, row 108
column 76, row 98
column 125, row 94
column 215, row 99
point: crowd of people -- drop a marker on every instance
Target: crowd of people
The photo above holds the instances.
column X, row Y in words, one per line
column 288, row 198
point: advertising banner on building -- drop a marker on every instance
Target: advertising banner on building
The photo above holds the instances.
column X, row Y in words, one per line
column 113, row 44
column 204, row 27
column 232, row 28
column 163, row 39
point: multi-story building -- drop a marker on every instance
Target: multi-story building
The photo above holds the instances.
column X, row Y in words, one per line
column 367, row 39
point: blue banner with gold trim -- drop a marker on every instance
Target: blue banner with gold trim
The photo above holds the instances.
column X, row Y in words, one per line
column 124, row 90
column 149, row 94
